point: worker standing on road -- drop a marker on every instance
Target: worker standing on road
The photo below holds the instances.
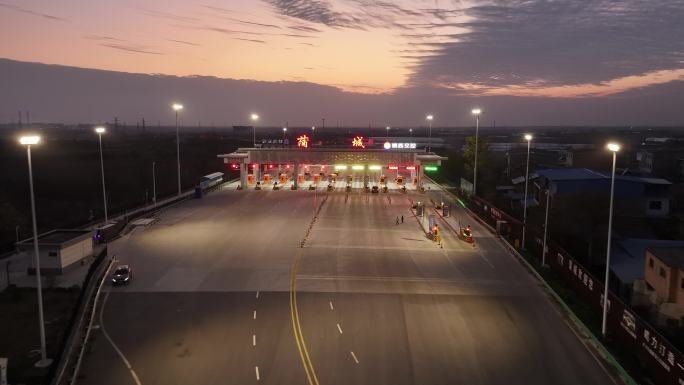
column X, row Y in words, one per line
column 402, row 219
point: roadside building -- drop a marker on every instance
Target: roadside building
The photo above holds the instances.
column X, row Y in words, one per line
column 638, row 196
column 59, row 250
column 664, row 279
column 662, row 157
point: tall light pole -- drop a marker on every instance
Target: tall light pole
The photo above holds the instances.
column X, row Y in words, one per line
column 177, row 107
column 614, row 148
column 154, row 185
column 313, row 128
column 546, row 225
column 429, row 119
column 411, row 132
column 387, row 131
column 254, row 118
column 528, row 138
column 476, row 112
column 284, row 133
column 100, row 131
column 28, row 141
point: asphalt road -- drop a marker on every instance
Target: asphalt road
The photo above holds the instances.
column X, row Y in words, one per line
column 376, row 302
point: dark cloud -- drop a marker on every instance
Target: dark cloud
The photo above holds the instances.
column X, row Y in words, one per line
column 253, row 23
column 30, row 12
column 304, row 28
column 217, row 9
column 547, row 43
column 184, row 42
column 315, row 11
column 94, row 94
column 251, row 40
column 131, row 48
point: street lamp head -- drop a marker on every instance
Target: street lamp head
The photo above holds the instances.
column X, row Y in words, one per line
column 410, row 129
column 255, row 117
column 387, row 128
column 177, row 106
column 476, row 111
column 284, row 129
column 614, row 147
column 29, row 140
column 313, row 128
column 100, row 130
column 528, row 137
column 429, row 117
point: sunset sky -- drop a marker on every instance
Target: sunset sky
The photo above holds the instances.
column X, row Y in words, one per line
column 557, row 49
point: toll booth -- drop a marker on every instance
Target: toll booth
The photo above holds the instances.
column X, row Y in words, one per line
column 382, row 179
column 267, row 178
column 432, row 221
column 259, row 161
column 282, row 178
column 300, row 178
column 446, row 210
column 420, row 209
column 316, row 179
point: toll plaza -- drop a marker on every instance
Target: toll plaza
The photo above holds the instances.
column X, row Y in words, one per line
column 372, row 169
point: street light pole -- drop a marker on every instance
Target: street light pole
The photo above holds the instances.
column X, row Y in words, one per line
column 177, row 107
column 528, row 138
column 411, row 132
column 100, row 131
column 44, row 361
column 429, row 118
column 254, row 117
column 387, row 130
column 477, row 113
column 284, row 133
column 546, row 225
column 614, row 148
column 154, row 185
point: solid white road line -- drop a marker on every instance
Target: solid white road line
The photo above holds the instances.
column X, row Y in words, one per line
column 256, row 369
column 257, row 294
column 354, row 357
column 339, row 328
column 254, row 315
column 253, row 339
column 331, row 305
column 116, row 348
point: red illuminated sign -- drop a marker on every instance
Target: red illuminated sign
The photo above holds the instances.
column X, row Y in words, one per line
column 357, row 142
column 303, row 141
column 392, row 167
column 234, row 166
column 410, row 167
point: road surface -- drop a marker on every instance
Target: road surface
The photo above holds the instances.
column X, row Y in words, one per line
column 376, row 302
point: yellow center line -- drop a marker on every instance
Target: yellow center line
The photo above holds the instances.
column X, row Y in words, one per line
column 296, row 327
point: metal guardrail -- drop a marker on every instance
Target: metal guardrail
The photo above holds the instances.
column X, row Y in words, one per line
column 77, row 329
column 93, row 312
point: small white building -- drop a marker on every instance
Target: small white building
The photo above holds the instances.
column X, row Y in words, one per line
column 60, row 250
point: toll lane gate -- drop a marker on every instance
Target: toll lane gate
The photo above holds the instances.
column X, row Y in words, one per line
column 330, row 168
